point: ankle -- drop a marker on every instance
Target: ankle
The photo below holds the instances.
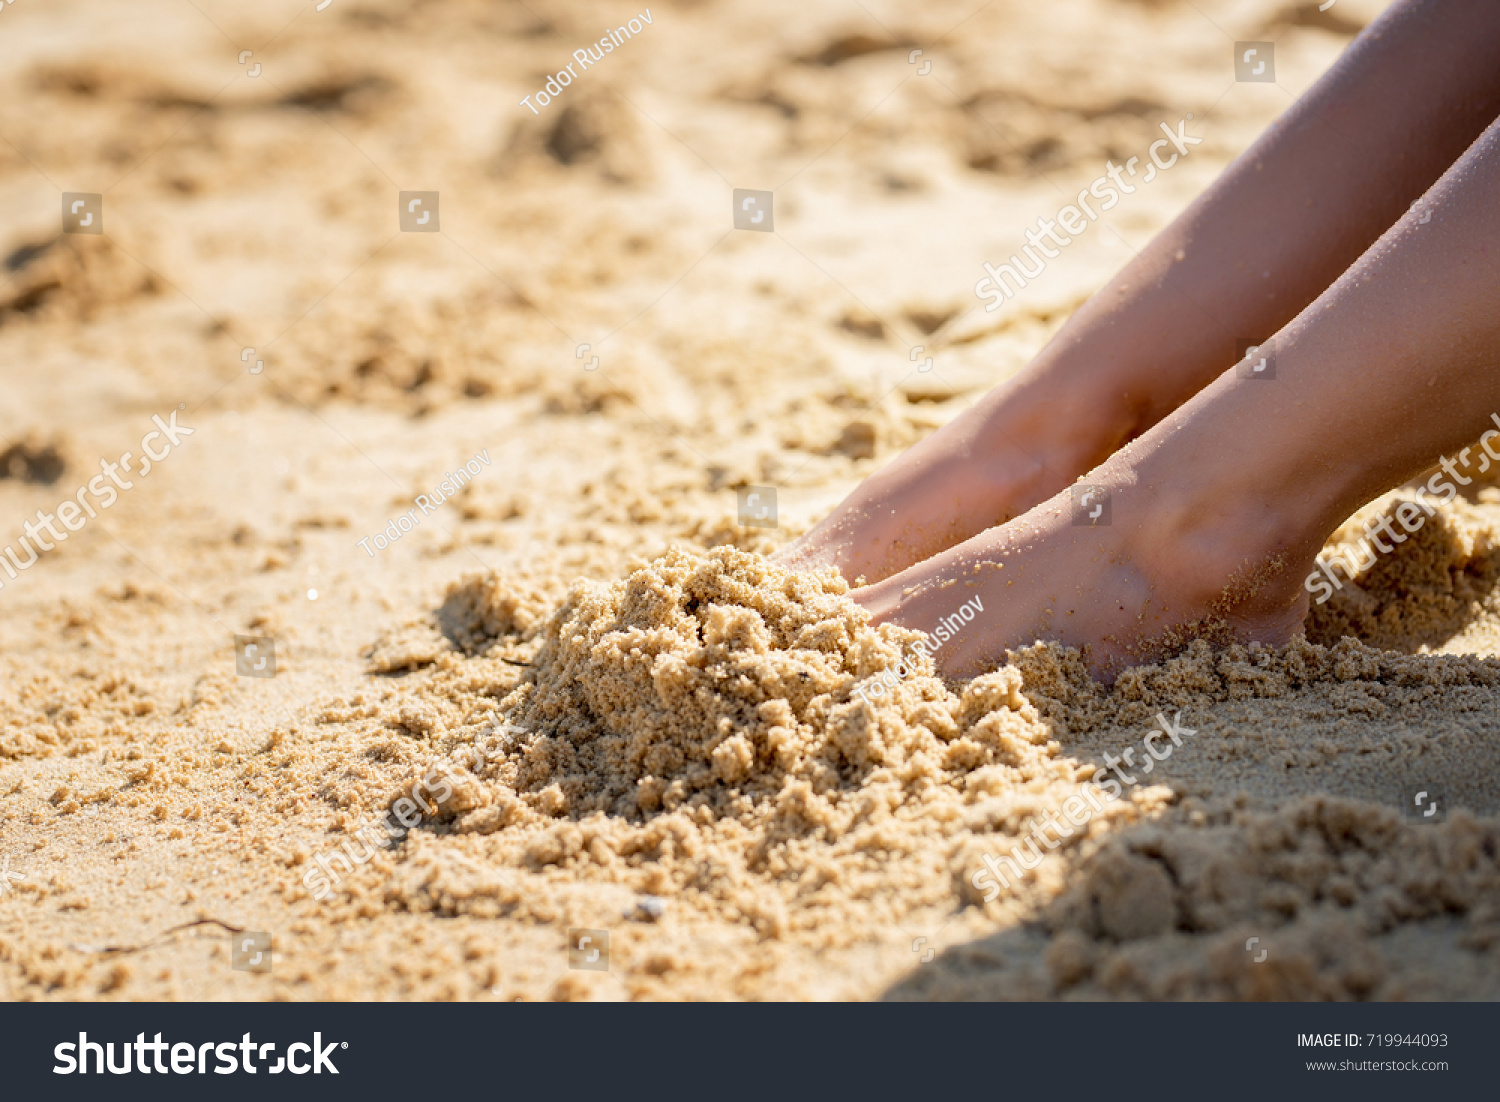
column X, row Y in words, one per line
column 1231, row 543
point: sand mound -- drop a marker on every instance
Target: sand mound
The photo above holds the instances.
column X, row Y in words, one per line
column 485, row 607
column 1443, row 580
column 719, row 675
column 692, row 729
column 692, row 732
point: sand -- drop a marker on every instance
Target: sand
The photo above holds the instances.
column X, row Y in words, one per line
column 595, row 701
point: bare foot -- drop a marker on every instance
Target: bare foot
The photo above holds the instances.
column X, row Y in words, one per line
column 1166, row 566
column 1217, row 513
column 1019, row 445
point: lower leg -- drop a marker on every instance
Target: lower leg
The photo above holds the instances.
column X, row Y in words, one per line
column 1219, row 511
column 1329, row 176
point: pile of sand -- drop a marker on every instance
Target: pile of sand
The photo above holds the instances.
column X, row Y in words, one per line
column 1442, row 582
column 691, row 732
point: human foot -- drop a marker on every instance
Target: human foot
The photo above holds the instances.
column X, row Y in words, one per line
column 1022, row 443
column 1168, row 563
column 1221, row 508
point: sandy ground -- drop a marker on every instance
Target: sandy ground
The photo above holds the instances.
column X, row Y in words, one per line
column 672, row 756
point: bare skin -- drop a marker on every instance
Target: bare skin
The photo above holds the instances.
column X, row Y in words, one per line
column 1281, row 224
column 1219, row 510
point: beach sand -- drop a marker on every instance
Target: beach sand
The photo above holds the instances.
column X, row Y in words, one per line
column 632, row 723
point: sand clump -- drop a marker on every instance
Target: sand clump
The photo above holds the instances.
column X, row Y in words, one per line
column 691, row 729
column 700, row 680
